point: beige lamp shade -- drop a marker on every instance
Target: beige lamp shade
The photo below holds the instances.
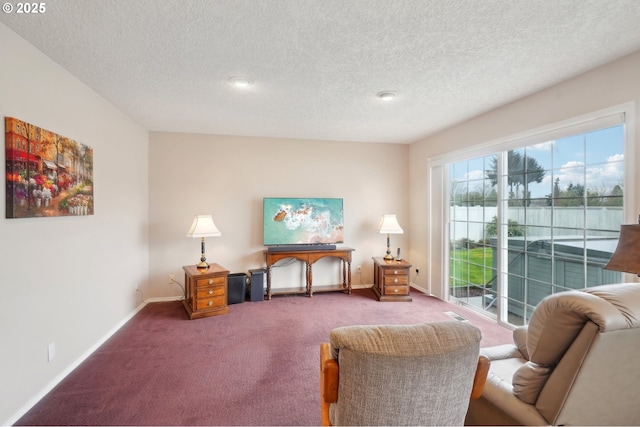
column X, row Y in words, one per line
column 203, row 226
column 389, row 225
column 626, row 257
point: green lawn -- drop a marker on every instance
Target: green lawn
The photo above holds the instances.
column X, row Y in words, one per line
column 473, row 265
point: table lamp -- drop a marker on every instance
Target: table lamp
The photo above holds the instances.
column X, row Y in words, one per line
column 626, row 257
column 389, row 225
column 202, row 227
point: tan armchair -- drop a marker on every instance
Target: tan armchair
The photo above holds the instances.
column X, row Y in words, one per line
column 400, row 374
column 575, row 364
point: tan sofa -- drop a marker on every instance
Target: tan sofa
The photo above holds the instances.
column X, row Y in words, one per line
column 577, row 363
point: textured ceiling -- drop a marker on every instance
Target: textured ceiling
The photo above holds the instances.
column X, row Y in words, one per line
column 318, row 64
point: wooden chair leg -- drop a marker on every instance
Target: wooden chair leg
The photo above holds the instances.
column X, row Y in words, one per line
column 480, row 378
column 328, row 382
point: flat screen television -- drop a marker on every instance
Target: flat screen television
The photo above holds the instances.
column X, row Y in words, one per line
column 302, row 221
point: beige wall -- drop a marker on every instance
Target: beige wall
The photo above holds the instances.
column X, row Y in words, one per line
column 68, row 280
column 228, row 177
column 603, row 88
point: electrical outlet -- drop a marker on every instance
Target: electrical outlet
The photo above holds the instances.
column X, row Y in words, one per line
column 171, row 278
column 417, row 271
column 51, row 352
column 359, row 269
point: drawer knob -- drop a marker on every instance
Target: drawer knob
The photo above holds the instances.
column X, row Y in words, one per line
column 395, row 280
column 211, row 281
column 395, row 271
column 210, row 302
column 210, row 291
column 395, row 290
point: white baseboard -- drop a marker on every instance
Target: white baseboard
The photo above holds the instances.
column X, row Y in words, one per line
column 421, row 289
column 164, row 299
column 362, row 286
column 62, row 375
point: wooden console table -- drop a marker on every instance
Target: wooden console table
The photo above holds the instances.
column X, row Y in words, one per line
column 308, row 258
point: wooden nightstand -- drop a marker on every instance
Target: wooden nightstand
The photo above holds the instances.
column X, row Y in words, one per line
column 391, row 280
column 205, row 291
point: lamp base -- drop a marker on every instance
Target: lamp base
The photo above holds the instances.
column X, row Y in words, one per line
column 202, row 265
column 388, row 256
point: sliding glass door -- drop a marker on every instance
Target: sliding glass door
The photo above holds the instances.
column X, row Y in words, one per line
column 535, row 220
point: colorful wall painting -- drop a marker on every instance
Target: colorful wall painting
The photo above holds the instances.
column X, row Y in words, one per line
column 46, row 174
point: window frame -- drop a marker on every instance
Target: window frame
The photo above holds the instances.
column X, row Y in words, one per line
column 439, row 183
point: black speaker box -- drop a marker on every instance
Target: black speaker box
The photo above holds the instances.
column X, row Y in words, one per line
column 258, row 279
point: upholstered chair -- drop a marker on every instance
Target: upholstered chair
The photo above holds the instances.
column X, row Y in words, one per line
column 576, row 363
column 419, row 374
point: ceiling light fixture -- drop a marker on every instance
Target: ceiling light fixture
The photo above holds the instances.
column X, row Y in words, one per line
column 386, row 95
column 240, row 82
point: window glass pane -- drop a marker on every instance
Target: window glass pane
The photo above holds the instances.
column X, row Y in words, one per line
column 458, row 193
column 458, row 234
column 605, row 179
column 605, row 218
column 538, row 216
column 534, row 172
column 515, row 256
column 541, row 153
column 559, row 225
column 569, row 151
column 605, row 201
column 569, row 271
column 475, row 195
column 539, row 191
column 490, row 193
column 568, row 234
column 515, row 162
column 514, row 217
column 475, row 168
column 515, row 186
column 516, row 312
column 459, row 213
column 570, row 217
column 536, row 233
column 458, row 172
column 516, row 287
column 537, row 290
column 605, row 145
column 569, row 182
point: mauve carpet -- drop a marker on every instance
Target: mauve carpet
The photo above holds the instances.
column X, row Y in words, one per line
column 257, row 365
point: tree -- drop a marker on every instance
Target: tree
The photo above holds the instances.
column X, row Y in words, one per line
column 572, row 196
column 514, row 229
column 615, row 197
column 521, row 171
column 458, row 192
